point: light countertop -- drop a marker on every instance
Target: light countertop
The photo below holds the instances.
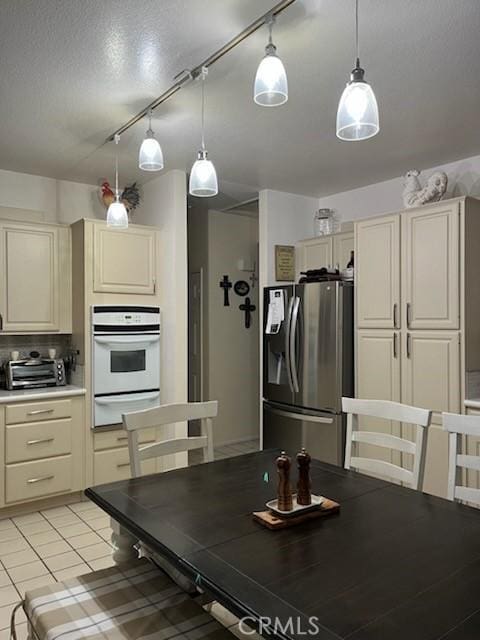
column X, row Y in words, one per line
column 472, row 403
column 40, row 394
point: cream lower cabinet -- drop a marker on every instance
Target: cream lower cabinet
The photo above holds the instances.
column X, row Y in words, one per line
column 124, row 260
column 43, row 444
column 431, row 379
column 471, row 446
column 111, row 460
column 378, row 377
column 35, row 294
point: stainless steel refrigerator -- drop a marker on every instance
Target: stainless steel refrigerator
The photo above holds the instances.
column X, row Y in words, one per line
column 307, row 367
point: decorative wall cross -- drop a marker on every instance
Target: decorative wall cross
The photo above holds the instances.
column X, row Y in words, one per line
column 248, row 307
column 225, row 284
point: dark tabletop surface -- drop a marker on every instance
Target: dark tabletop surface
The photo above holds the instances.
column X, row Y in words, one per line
column 394, row 564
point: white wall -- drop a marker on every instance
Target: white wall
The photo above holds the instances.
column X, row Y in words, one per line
column 47, row 199
column 233, row 350
column 383, row 197
column 284, row 218
column 165, row 206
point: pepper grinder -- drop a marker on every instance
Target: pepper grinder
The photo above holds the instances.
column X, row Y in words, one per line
column 285, row 502
column 304, row 484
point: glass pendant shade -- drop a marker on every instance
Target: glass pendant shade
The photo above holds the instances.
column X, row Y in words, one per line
column 117, row 215
column 357, row 115
column 271, row 86
column 203, row 177
column 150, row 156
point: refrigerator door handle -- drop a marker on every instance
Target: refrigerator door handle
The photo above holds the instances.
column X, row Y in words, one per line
column 293, row 344
column 287, row 343
column 300, row 416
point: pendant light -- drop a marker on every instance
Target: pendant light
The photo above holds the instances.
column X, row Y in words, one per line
column 117, row 214
column 271, row 87
column 357, row 115
column 203, row 177
column 150, row 156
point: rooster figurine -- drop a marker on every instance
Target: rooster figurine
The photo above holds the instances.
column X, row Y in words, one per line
column 413, row 193
column 130, row 196
column 107, row 194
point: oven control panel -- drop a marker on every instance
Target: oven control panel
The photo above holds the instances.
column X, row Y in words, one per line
column 108, row 316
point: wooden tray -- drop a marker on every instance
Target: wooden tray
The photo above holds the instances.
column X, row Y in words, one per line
column 274, row 522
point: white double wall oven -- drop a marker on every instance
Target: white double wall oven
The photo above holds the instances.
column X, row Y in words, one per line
column 126, row 361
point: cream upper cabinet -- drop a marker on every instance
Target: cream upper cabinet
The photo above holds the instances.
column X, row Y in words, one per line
column 124, row 260
column 343, row 245
column 314, row 254
column 35, row 283
column 431, row 267
column 324, row 251
column 377, row 272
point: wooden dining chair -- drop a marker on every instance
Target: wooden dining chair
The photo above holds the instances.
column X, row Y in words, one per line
column 168, row 414
column 458, row 426
column 387, row 410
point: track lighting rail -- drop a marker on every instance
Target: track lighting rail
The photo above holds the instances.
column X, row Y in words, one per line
column 186, row 76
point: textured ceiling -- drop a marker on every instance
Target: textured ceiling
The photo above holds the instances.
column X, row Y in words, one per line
column 72, row 71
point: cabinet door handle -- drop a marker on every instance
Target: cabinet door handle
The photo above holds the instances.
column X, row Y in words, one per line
column 40, row 479
column 408, row 346
column 154, row 285
column 39, row 411
column 395, row 306
column 394, row 345
column 40, row 440
column 1, row 322
column 123, row 464
column 409, row 310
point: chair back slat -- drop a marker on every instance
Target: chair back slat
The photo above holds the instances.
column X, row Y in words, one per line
column 166, row 415
column 167, row 447
column 384, row 440
column 386, row 410
column 458, row 426
column 382, row 468
column 468, row 494
column 170, row 414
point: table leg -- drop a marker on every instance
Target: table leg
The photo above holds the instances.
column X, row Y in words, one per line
column 123, row 543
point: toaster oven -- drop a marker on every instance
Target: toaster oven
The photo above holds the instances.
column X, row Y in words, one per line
column 34, row 372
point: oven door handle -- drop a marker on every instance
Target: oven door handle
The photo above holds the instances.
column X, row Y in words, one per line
column 126, row 340
column 133, row 397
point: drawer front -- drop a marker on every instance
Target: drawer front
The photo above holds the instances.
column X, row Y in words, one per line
column 35, row 411
column 118, row 438
column 112, row 465
column 39, row 478
column 38, row 440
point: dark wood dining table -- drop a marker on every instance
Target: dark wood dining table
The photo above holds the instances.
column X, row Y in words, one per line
column 394, row 564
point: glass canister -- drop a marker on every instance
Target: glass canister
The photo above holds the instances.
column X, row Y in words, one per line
column 323, row 222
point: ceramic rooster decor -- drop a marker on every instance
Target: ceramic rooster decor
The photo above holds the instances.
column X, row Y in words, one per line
column 130, row 196
column 107, row 194
column 414, row 195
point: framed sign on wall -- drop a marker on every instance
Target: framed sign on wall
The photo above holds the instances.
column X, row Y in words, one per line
column 284, row 263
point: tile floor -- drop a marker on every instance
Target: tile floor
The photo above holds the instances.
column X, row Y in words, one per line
column 63, row 542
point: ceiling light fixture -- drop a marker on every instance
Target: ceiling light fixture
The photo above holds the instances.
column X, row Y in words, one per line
column 117, row 214
column 203, row 177
column 150, row 156
column 271, row 86
column 357, row 115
